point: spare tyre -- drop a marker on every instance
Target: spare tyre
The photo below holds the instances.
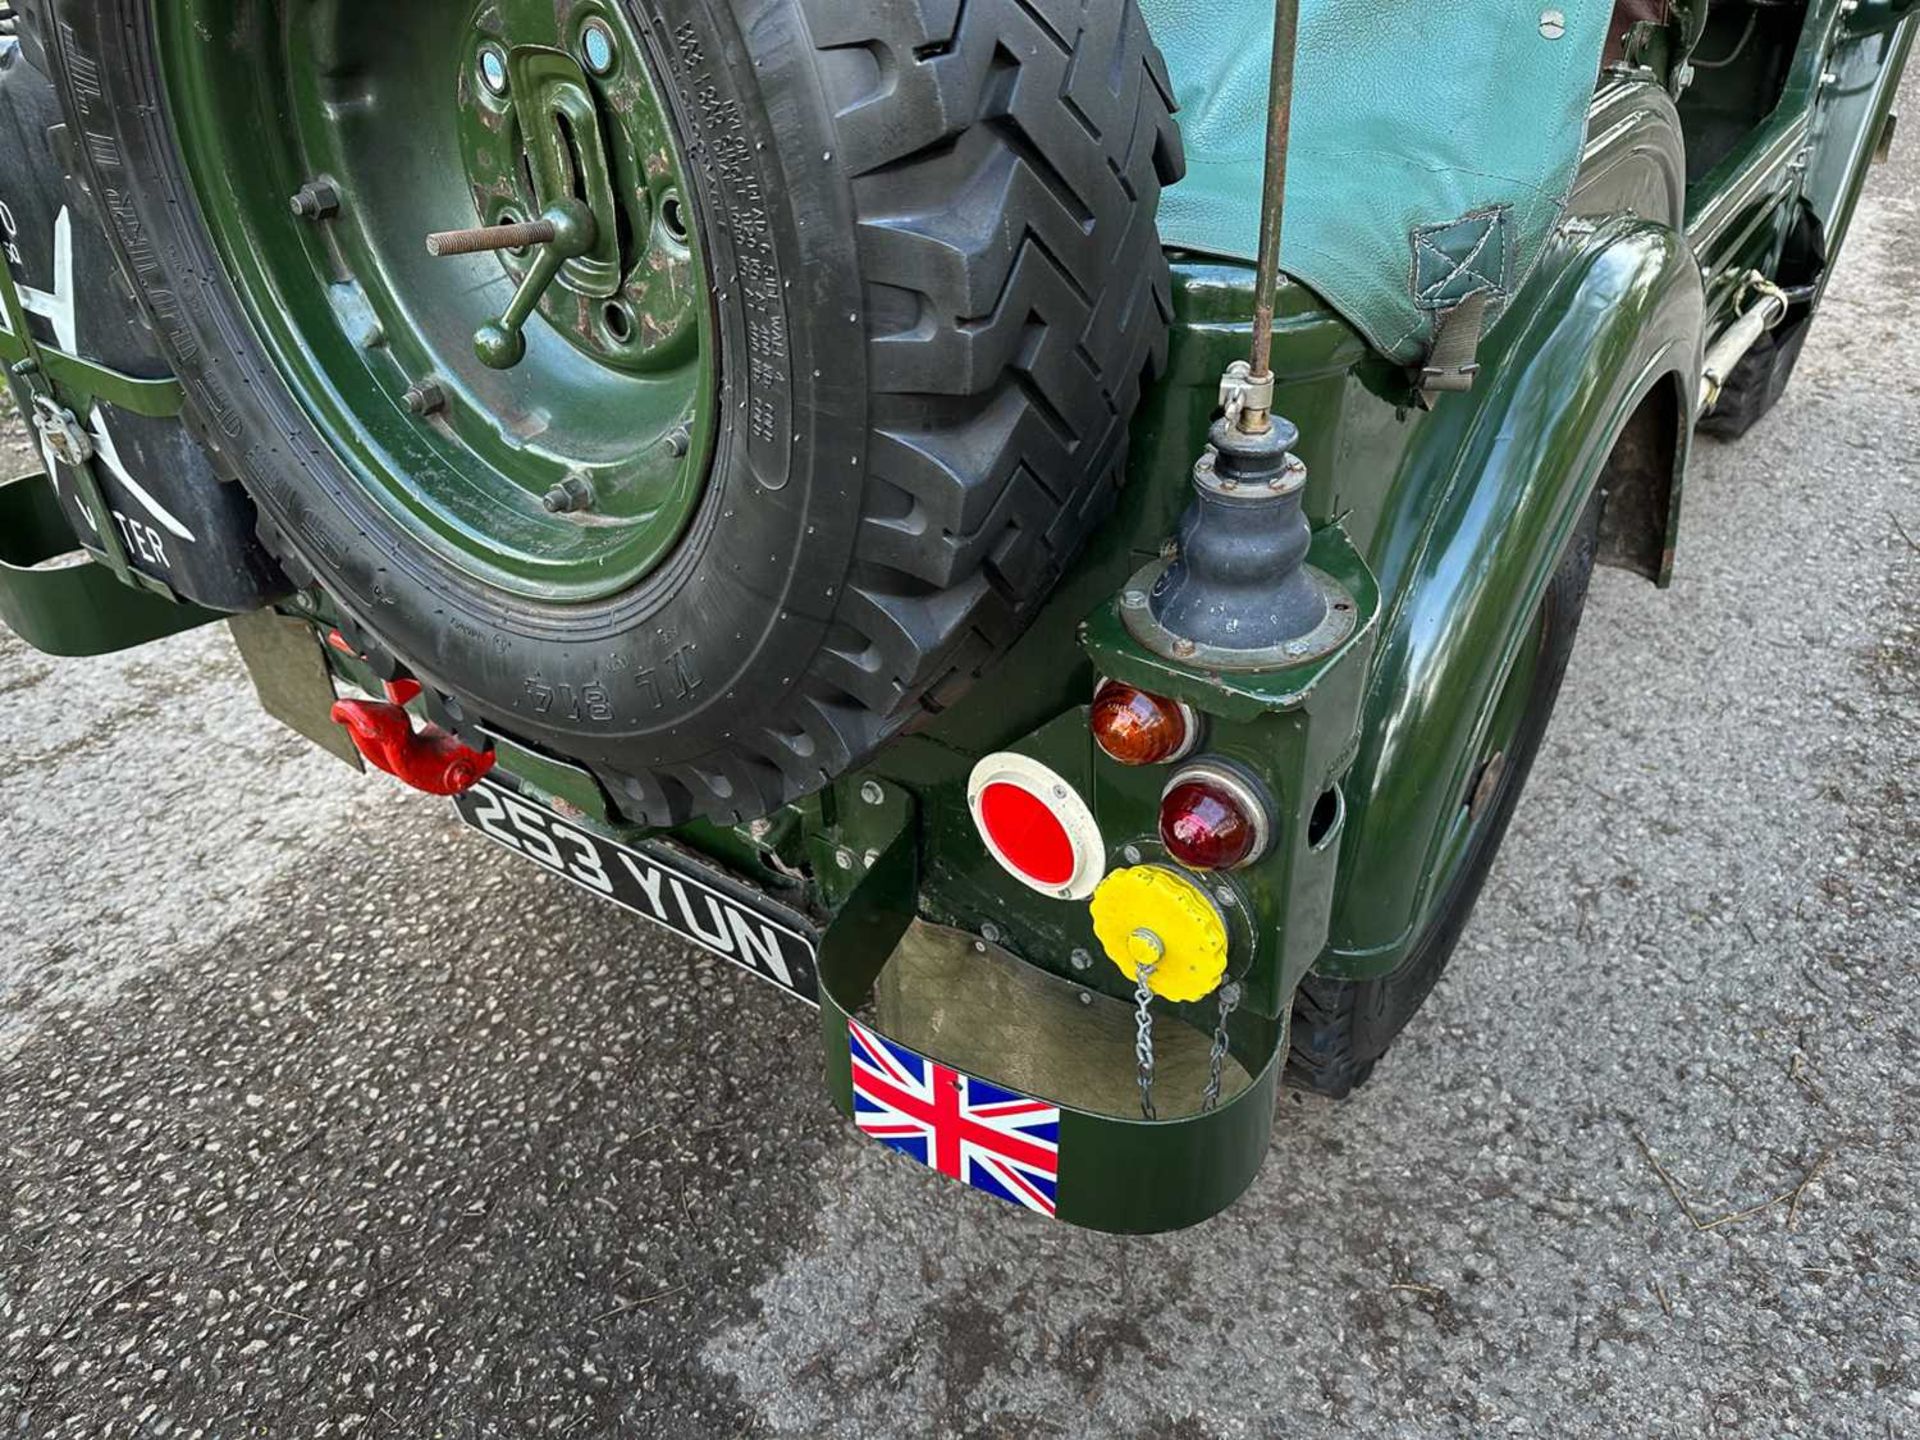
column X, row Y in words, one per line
column 808, row 418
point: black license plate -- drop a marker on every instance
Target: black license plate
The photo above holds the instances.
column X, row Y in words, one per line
column 651, row 884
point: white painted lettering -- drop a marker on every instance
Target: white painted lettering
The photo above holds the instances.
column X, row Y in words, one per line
column 649, row 880
column 762, row 949
column 717, row 937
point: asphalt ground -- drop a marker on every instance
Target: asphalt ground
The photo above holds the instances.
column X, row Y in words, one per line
column 321, row 1116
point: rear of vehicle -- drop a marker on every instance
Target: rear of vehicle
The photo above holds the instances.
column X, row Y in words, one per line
column 847, row 483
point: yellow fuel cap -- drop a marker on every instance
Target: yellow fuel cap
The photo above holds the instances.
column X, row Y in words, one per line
column 1150, row 915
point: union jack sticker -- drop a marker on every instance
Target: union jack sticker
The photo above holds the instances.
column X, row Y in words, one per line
column 969, row 1129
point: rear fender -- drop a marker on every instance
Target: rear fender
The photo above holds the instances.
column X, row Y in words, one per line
column 1621, row 317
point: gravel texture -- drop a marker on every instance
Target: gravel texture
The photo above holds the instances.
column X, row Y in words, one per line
column 322, row 1117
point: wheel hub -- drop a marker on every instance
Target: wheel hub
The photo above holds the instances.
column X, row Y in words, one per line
column 544, row 127
column 581, row 365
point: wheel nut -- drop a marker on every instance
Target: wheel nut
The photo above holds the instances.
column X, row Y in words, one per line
column 316, row 200
column 678, row 441
column 572, row 494
column 425, row 397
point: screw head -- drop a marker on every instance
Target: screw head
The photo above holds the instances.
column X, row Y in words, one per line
column 1553, row 24
column 1134, row 599
column 843, row 857
column 990, row 933
column 871, row 792
column 1080, row 959
column 493, row 69
column 596, row 47
column 1183, row 648
column 1131, row 854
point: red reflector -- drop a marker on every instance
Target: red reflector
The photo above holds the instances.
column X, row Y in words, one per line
column 1206, row 823
column 1028, row 835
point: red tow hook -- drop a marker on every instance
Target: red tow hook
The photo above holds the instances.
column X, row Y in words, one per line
column 429, row 760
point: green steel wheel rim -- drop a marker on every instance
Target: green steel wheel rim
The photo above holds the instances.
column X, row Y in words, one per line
column 570, row 475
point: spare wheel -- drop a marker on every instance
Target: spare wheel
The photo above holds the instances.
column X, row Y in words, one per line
column 831, row 381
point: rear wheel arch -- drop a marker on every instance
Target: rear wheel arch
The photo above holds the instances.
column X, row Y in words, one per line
column 1642, row 477
column 1346, row 1017
column 1613, row 343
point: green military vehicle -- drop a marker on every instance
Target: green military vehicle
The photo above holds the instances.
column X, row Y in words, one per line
column 1049, row 530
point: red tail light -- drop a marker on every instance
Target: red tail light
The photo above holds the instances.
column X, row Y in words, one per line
column 1213, row 819
column 1137, row 728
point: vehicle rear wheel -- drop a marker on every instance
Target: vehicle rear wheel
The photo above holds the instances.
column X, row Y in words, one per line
column 1341, row 1028
column 830, row 387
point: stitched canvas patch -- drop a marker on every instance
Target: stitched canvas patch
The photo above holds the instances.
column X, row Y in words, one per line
column 1463, row 257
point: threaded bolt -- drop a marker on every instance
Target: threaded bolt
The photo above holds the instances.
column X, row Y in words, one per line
column 318, row 199
column 509, row 235
column 425, row 397
column 678, row 441
column 572, row 494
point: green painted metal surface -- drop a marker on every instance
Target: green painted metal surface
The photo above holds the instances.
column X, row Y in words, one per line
column 618, row 382
column 1118, row 1171
column 57, row 599
column 80, row 382
column 1466, row 557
